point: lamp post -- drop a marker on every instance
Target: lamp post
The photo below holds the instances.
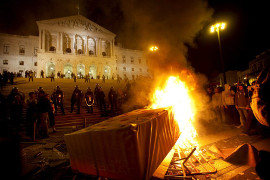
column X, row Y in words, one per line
column 217, row 27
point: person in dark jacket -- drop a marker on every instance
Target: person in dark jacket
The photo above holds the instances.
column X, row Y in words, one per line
column 58, row 99
column 16, row 101
column 242, row 104
column 44, row 106
column 31, row 113
column 102, row 100
column 112, row 96
column 76, row 98
column 89, row 100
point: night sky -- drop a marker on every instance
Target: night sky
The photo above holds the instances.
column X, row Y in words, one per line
column 180, row 28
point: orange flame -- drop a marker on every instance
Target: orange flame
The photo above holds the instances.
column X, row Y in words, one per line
column 177, row 94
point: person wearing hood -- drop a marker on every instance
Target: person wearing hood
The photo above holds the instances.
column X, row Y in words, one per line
column 231, row 114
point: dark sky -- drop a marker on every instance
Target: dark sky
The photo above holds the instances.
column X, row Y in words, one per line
column 180, row 28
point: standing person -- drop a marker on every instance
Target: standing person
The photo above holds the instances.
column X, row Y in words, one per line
column 51, row 113
column 112, row 96
column 41, row 74
column 76, row 98
column 31, row 113
column 118, row 78
column 52, row 77
column 96, row 94
column 44, row 107
column 74, row 78
column 11, row 78
column 217, row 105
column 210, row 93
column 58, row 100
column 16, row 101
column 103, row 78
column 102, row 101
column 231, row 114
column 242, row 104
column 86, row 79
column 89, row 100
column 31, row 76
column 58, row 74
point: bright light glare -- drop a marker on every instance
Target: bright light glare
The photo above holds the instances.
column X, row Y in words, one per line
column 222, row 26
column 218, row 26
column 153, row 48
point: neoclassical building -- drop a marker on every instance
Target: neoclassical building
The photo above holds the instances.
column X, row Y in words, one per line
column 69, row 45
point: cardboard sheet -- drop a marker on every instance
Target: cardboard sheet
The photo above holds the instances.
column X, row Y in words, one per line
column 129, row 146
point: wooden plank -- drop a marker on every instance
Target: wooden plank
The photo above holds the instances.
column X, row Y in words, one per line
column 162, row 168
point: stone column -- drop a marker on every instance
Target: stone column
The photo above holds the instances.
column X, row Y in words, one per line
column 61, row 42
column 40, row 39
column 97, row 47
column 86, row 50
column 111, row 49
column 57, row 42
column 43, row 40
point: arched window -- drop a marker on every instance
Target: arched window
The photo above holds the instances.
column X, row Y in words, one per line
column 91, row 52
column 80, row 51
column 52, row 48
column 68, row 50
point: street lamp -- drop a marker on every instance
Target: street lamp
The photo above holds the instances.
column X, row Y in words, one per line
column 153, row 48
column 217, row 27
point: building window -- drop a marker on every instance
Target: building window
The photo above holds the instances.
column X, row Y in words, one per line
column 132, row 60
column 52, row 48
column 91, row 52
column 104, row 54
column 6, row 49
column 132, row 69
column 80, row 51
column 5, row 62
column 140, row 69
column 124, row 59
column 68, row 50
column 35, row 63
column 124, row 68
column 35, row 51
column 22, row 50
column 140, row 60
column 21, row 63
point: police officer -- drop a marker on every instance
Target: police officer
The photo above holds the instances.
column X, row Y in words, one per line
column 112, row 96
column 96, row 94
column 89, row 100
column 102, row 101
column 76, row 98
column 58, row 99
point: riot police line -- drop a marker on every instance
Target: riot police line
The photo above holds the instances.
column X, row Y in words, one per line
column 41, row 107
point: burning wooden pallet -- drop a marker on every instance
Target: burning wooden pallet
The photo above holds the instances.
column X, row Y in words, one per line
column 129, row 146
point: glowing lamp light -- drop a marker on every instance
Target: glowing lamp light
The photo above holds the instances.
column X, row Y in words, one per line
column 217, row 27
column 153, row 48
column 51, row 68
column 80, row 69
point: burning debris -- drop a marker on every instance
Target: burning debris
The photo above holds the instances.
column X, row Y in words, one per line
column 129, row 146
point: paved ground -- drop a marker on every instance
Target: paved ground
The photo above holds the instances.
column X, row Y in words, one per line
column 48, row 158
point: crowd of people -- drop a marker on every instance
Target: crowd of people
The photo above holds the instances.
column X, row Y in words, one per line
column 231, row 106
column 42, row 107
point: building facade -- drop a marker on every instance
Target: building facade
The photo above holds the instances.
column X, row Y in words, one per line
column 71, row 45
